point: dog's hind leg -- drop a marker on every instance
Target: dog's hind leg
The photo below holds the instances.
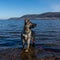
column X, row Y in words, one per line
column 33, row 38
column 23, row 43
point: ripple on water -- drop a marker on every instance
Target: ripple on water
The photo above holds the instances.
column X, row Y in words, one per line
column 46, row 32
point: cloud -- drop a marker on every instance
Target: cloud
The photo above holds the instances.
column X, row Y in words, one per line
column 55, row 8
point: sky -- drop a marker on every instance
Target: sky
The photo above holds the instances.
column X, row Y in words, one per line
column 18, row 8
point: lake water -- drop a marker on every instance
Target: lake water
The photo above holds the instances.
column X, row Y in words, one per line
column 47, row 33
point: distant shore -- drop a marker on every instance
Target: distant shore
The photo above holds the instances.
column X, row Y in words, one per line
column 33, row 54
column 43, row 16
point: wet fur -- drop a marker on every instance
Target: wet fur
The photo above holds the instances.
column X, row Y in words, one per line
column 27, row 34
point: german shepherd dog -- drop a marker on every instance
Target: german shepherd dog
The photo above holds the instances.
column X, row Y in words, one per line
column 27, row 34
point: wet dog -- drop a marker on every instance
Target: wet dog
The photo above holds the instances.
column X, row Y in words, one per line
column 27, row 33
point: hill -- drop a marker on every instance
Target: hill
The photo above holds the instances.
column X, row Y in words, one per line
column 48, row 15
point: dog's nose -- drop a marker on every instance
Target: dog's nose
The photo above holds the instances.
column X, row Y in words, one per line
column 35, row 25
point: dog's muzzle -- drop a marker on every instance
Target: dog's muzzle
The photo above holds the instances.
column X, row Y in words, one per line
column 33, row 26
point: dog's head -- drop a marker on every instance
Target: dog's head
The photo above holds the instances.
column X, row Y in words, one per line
column 29, row 23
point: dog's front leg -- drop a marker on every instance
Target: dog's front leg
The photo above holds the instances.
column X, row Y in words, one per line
column 23, row 41
column 28, row 44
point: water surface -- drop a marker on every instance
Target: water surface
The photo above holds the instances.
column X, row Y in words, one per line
column 47, row 33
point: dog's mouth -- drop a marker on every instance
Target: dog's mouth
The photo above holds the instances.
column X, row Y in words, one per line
column 33, row 26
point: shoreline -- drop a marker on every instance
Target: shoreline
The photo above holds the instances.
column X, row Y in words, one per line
column 33, row 54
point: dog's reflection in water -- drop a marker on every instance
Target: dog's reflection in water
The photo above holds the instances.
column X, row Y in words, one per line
column 31, row 55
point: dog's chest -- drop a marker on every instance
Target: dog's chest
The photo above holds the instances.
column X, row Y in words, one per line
column 27, row 35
